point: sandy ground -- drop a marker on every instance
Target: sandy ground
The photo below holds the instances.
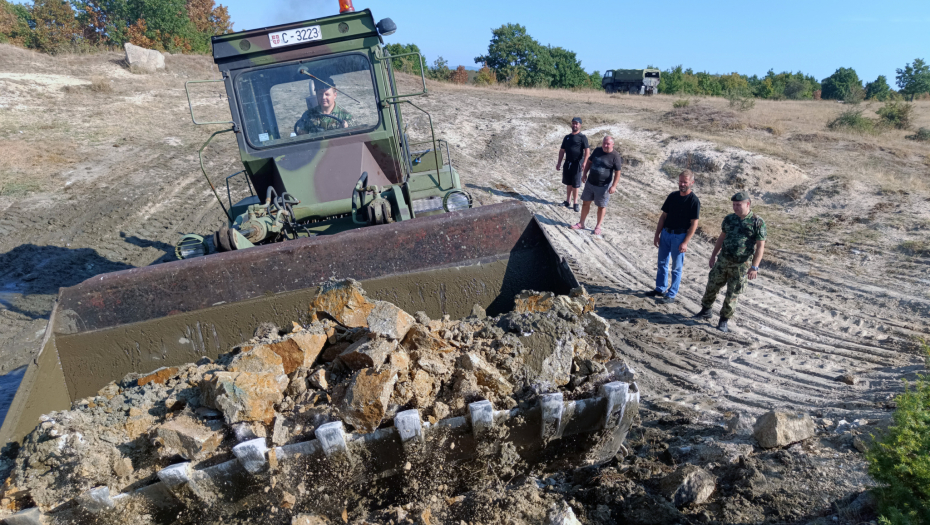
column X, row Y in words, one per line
column 96, row 181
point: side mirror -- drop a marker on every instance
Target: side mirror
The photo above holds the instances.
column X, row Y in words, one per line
column 386, row 27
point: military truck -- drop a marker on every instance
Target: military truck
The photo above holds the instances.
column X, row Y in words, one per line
column 337, row 190
column 632, row 81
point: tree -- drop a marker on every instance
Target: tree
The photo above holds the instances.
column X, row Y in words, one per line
column 567, row 69
column 878, row 89
column 512, row 53
column 55, row 25
column 914, row 79
column 595, row 80
column 459, row 76
column 410, row 64
column 841, row 84
column 440, row 70
column 485, row 76
column 14, row 23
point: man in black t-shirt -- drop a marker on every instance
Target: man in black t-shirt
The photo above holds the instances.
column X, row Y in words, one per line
column 677, row 224
column 575, row 152
column 604, row 169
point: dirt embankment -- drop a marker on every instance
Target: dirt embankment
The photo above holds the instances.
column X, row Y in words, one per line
column 843, row 289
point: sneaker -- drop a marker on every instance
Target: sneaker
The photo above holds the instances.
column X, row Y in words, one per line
column 722, row 325
column 666, row 300
column 705, row 313
column 577, row 207
column 565, row 204
column 654, row 293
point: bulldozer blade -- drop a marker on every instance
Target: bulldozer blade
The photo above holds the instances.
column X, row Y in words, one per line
column 174, row 313
column 552, row 434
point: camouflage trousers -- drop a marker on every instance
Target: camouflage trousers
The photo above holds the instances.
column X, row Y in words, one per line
column 728, row 273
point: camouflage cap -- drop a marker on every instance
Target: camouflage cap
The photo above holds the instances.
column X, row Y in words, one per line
column 577, row 119
column 741, row 196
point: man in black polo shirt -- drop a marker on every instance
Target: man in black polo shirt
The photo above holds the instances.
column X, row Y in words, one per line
column 677, row 224
column 575, row 152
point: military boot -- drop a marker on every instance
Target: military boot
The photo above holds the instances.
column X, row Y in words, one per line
column 703, row 314
column 722, row 325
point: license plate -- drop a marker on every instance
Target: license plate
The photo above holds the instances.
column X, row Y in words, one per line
column 295, row 36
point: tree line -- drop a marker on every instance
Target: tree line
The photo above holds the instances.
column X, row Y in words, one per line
column 53, row 26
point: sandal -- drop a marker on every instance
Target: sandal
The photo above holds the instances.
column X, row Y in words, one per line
column 597, row 231
column 578, row 226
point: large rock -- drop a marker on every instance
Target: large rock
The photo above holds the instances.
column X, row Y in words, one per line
column 143, row 60
column 367, row 397
column 562, row 515
column 389, row 321
column 689, row 485
column 260, row 360
column 485, row 374
column 420, row 339
column 344, row 301
column 189, row 438
column 368, row 353
column 242, row 396
column 299, row 350
column 777, row 428
column 422, row 385
column 159, row 376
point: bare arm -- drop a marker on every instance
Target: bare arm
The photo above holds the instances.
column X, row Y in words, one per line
column 683, row 248
column 756, row 259
column 587, row 168
column 659, row 227
column 558, row 165
column 613, row 187
column 587, row 153
column 717, row 248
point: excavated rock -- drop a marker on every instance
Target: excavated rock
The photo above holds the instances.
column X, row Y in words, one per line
column 359, row 363
column 689, row 485
column 144, row 60
column 777, row 428
column 367, row 397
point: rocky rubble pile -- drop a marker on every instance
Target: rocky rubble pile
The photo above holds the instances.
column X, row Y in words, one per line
column 354, row 359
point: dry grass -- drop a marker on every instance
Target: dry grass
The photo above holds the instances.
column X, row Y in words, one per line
column 703, row 118
column 101, row 85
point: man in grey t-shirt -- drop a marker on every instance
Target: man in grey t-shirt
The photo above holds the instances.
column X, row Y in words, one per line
column 604, row 169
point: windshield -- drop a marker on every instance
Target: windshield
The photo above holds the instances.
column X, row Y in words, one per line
column 307, row 101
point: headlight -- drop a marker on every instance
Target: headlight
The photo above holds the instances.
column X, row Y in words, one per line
column 456, row 200
column 191, row 245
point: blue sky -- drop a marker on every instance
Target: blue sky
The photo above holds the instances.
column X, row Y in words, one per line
column 720, row 36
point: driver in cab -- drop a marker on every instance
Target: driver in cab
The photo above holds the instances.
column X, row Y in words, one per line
column 327, row 115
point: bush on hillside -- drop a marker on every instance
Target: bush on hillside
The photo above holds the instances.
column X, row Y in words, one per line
column 459, row 76
column 740, row 101
column 896, row 114
column 900, row 459
column 922, row 135
column 853, row 120
column 485, row 77
column 681, row 103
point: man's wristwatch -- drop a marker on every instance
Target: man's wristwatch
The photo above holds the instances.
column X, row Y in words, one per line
column 754, row 268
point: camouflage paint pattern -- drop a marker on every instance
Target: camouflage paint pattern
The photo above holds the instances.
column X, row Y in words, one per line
column 741, row 235
column 729, row 273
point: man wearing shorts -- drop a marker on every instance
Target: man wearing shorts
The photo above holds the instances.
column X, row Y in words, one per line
column 604, row 169
column 575, row 152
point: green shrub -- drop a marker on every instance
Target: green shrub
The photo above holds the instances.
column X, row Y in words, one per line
column 878, row 89
column 896, row 114
column 900, row 459
column 740, row 101
column 852, row 120
column 922, row 135
column 681, row 103
column 838, row 85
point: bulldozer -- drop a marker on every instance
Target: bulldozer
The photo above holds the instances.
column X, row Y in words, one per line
column 337, row 190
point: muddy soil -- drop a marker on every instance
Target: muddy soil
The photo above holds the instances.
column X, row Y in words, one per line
column 98, row 181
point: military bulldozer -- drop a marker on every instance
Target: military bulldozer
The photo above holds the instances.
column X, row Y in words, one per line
column 337, row 190
column 631, row 81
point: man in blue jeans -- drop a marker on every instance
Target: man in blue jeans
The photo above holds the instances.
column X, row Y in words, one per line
column 677, row 224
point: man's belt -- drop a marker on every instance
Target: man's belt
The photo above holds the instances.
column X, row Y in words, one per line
column 676, row 232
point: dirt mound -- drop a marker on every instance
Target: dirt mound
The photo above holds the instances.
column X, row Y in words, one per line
column 703, row 118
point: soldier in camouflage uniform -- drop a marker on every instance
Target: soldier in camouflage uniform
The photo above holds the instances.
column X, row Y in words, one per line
column 740, row 246
column 320, row 118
